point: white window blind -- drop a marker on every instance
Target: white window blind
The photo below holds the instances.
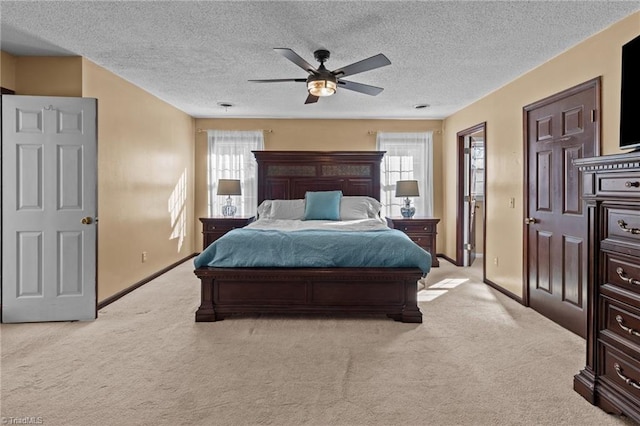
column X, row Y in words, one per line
column 230, row 157
column 409, row 156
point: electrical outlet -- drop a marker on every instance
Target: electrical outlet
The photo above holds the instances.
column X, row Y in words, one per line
column 512, row 202
column 144, row 256
column 495, row 261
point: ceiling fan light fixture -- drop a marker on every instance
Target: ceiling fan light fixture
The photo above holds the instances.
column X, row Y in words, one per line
column 322, row 83
column 321, row 87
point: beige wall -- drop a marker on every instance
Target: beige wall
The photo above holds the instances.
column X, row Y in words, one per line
column 145, row 166
column 314, row 135
column 41, row 76
column 502, row 110
column 7, row 71
column 145, row 161
column 49, row 76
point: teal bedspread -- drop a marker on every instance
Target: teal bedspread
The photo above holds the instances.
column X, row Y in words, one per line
column 249, row 248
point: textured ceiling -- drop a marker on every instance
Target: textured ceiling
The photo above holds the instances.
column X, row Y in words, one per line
column 195, row 55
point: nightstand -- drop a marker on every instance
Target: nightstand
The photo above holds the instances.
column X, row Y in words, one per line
column 215, row 227
column 421, row 230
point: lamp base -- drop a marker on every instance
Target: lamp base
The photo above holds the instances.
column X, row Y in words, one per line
column 228, row 210
column 406, row 210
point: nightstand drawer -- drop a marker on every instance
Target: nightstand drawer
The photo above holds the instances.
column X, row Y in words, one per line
column 215, row 227
column 422, row 231
column 424, row 241
column 220, row 227
column 415, row 227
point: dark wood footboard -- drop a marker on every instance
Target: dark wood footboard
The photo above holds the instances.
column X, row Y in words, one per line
column 390, row 291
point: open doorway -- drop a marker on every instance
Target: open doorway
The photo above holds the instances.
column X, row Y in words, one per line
column 470, row 235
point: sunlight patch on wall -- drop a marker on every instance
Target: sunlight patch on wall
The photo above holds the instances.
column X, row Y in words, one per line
column 178, row 210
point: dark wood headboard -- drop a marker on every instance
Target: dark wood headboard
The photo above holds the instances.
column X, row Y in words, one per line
column 287, row 175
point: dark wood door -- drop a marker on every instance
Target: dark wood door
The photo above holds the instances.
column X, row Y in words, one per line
column 558, row 130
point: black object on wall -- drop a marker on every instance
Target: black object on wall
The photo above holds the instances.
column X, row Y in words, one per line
column 630, row 96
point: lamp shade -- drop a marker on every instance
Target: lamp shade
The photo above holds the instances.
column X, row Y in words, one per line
column 229, row 187
column 407, row 188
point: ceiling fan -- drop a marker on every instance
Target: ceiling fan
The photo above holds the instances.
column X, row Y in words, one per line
column 322, row 82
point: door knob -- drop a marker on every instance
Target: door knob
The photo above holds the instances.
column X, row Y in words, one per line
column 87, row 220
column 530, row 220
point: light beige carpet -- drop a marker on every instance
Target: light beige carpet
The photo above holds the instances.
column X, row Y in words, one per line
column 479, row 358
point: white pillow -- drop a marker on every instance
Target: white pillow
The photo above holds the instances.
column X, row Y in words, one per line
column 264, row 209
column 286, row 209
column 359, row 207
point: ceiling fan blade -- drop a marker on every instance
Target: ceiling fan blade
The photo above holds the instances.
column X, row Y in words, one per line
column 280, row 80
column 296, row 59
column 359, row 87
column 311, row 99
column 368, row 64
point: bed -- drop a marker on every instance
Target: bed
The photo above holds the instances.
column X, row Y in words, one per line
column 289, row 175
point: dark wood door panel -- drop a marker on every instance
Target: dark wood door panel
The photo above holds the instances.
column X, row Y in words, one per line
column 558, row 131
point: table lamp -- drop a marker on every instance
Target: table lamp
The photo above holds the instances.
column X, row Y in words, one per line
column 229, row 187
column 407, row 188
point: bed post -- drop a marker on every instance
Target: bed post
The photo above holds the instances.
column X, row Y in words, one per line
column 410, row 311
column 205, row 312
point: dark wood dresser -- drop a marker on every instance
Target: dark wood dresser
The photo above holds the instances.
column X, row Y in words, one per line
column 422, row 230
column 215, row 227
column 611, row 378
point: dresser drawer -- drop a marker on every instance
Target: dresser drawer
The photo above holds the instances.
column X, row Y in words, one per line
column 620, row 371
column 623, row 225
column 622, row 271
column 625, row 183
column 621, row 320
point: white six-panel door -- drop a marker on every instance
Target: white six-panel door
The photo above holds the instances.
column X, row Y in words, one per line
column 49, row 181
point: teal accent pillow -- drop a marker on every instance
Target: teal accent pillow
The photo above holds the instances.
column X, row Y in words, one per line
column 322, row 205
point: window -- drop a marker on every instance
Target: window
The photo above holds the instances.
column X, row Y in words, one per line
column 230, row 157
column 408, row 156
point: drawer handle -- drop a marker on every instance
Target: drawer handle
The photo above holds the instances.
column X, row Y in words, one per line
column 623, row 225
column 626, row 278
column 629, row 330
column 425, row 228
column 629, row 184
column 626, row 379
